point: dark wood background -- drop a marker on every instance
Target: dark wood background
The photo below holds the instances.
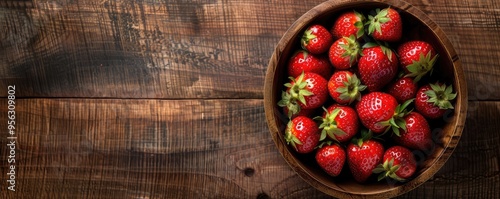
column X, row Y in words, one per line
column 163, row 99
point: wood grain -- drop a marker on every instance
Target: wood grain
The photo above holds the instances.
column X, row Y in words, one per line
column 144, row 148
column 221, row 149
column 151, row 49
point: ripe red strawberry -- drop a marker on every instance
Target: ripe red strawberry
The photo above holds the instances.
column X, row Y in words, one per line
column 377, row 67
column 316, row 39
column 363, row 156
column 339, row 123
column 307, row 91
column 417, row 134
column 345, row 87
column 399, row 164
column 302, row 134
column 433, row 100
column 303, row 61
column 403, row 89
column 347, row 24
column 386, row 25
column 417, row 58
column 344, row 52
column 378, row 111
column 331, row 158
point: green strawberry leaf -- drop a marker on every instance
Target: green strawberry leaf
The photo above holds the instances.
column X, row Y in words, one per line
column 446, row 105
column 378, row 170
column 339, row 132
column 374, row 22
column 305, row 93
column 352, row 49
column 421, row 67
column 388, row 169
column 329, row 125
column 436, row 87
column 351, row 90
column 296, row 140
column 401, row 123
column 441, row 95
column 396, row 177
column 387, row 51
column 383, row 13
column 360, row 32
column 289, row 137
column 396, row 132
column 384, row 20
column 370, row 44
column 394, row 168
column 381, row 176
column 322, row 136
column 289, row 103
column 302, row 99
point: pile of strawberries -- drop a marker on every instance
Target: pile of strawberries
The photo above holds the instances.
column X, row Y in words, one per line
column 359, row 96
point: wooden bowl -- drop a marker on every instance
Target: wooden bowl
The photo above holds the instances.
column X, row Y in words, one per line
column 446, row 133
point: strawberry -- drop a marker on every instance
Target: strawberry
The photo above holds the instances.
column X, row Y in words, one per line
column 316, row 39
column 403, row 89
column 303, row 61
column 307, row 91
column 331, row 158
column 302, row 134
column 386, row 25
column 347, row 24
column 339, row 123
column 344, row 52
column 377, row 67
column 345, row 87
column 433, row 100
column 363, row 155
column 417, row 134
column 417, row 58
column 378, row 111
column 399, row 164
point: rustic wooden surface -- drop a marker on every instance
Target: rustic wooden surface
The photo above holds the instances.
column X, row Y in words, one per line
column 163, row 99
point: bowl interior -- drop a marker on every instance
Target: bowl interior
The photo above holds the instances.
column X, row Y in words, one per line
column 446, row 133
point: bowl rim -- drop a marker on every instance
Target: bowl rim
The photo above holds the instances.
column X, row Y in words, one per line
column 459, row 82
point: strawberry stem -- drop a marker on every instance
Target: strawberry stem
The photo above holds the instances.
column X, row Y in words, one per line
column 352, row 49
column 352, row 89
column 290, row 138
column 329, row 125
column 441, row 95
column 308, row 36
column 296, row 93
column 374, row 22
column 388, row 169
column 397, row 122
column 360, row 24
column 420, row 68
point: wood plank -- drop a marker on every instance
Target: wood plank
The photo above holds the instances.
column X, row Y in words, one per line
column 199, row 49
column 151, row 49
column 143, row 148
column 112, row 148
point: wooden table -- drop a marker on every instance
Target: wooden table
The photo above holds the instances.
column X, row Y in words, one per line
column 163, row 99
